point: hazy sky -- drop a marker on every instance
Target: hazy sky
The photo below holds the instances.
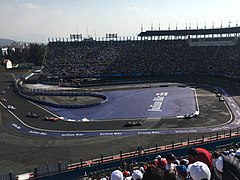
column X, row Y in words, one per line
column 59, row 18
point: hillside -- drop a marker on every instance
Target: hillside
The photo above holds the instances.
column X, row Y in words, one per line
column 4, row 42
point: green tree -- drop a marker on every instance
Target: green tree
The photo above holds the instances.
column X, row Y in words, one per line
column 36, row 54
column 1, row 54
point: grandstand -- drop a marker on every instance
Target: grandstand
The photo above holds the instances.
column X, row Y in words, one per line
column 208, row 51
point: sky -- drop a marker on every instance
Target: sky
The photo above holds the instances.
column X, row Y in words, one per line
column 26, row 19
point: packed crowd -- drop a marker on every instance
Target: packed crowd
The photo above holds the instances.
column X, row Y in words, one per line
column 138, row 58
column 198, row 165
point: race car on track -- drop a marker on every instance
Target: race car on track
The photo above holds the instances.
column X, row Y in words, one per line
column 189, row 116
column 48, row 118
column 221, row 99
column 3, row 100
column 3, row 92
column 32, row 115
column 131, row 124
column 10, row 107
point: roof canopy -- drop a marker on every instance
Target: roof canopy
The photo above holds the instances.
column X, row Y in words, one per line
column 229, row 30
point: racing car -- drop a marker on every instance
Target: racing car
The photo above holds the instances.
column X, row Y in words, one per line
column 3, row 92
column 131, row 124
column 10, row 107
column 221, row 99
column 51, row 118
column 32, row 115
column 189, row 116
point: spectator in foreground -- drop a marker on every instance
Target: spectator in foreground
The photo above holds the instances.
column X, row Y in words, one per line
column 153, row 173
column 199, row 171
column 117, row 175
column 182, row 173
column 200, row 154
column 170, row 161
column 137, row 175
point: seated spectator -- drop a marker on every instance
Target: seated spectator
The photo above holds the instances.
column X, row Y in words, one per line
column 137, row 175
column 182, row 172
column 170, row 175
column 117, row 175
column 161, row 162
column 200, row 154
column 126, row 174
column 214, row 156
column 237, row 154
column 199, row 171
column 184, row 162
column 153, row 173
column 170, row 161
column 218, row 168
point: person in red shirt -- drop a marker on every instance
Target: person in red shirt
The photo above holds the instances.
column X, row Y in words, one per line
column 200, row 154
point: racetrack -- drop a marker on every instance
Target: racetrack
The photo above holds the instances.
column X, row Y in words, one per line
column 22, row 151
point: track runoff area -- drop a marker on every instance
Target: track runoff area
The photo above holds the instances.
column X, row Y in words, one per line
column 161, row 110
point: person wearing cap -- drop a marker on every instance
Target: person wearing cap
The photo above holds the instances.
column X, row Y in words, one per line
column 117, row 175
column 161, row 162
column 137, row 175
column 182, row 172
column 200, row 154
column 199, row 171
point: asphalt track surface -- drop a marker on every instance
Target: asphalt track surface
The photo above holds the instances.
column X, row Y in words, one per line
column 23, row 149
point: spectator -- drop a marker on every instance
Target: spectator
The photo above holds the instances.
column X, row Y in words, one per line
column 218, row 169
column 117, row 175
column 214, row 156
column 137, row 175
column 199, row 171
column 182, row 172
column 237, row 154
column 200, row 154
column 161, row 162
column 153, row 173
column 170, row 161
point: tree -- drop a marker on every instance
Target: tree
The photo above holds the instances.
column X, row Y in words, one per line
column 1, row 54
column 36, row 54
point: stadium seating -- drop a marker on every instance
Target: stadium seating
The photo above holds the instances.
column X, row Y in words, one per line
column 72, row 60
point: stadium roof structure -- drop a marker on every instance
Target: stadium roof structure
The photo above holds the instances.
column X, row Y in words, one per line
column 191, row 32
